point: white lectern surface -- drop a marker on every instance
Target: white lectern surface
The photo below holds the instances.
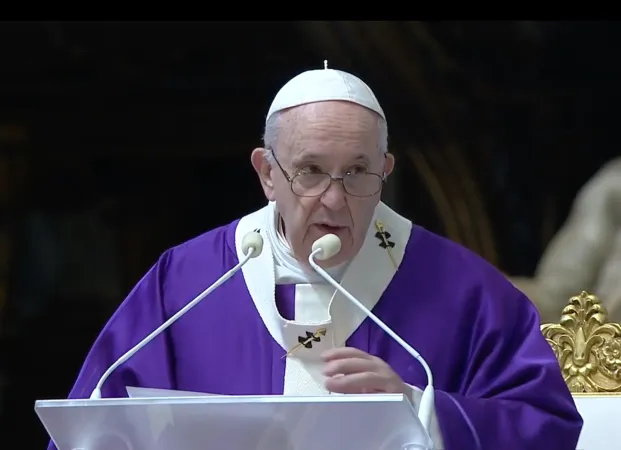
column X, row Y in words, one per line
column 601, row 415
column 361, row 422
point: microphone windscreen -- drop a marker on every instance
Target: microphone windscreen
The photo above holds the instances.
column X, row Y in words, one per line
column 254, row 241
column 330, row 245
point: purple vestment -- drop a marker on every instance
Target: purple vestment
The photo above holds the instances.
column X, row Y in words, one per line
column 478, row 333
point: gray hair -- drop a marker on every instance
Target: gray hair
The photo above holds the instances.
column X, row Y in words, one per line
column 270, row 135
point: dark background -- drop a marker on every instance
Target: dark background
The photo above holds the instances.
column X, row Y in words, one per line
column 119, row 140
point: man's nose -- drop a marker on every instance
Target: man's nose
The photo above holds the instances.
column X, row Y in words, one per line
column 334, row 197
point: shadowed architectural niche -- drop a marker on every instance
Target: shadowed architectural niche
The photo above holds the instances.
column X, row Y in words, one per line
column 587, row 346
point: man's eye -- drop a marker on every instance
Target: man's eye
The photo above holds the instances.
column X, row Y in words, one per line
column 310, row 170
column 357, row 170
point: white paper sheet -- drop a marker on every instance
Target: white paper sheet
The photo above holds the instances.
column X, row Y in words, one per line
column 138, row 392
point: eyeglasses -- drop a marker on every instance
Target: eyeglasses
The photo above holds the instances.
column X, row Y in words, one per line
column 315, row 184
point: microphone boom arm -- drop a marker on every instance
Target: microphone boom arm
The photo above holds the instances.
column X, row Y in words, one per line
column 252, row 246
column 428, row 398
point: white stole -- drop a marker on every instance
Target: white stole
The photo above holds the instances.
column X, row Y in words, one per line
column 319, row 306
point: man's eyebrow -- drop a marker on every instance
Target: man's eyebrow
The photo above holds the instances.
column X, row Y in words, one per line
column 307, row 155
column 361, row 157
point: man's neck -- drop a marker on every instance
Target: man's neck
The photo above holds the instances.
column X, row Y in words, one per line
column 290, row 270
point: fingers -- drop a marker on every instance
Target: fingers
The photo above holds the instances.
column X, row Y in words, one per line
column 355, row 383
column 349, row 370
column 349, row 366
column 343, row 353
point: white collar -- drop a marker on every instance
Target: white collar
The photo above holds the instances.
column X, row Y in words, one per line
column 366, row 278
column 288, row 268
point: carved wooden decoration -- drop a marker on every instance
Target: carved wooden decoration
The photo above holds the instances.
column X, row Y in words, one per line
column 587, row 347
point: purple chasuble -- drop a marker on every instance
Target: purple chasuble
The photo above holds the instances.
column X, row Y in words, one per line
column 496, row 378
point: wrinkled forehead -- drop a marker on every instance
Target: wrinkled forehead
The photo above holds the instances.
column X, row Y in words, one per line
column 334, row 126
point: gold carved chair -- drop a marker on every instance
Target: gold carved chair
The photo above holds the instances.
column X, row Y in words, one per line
column 587, row 347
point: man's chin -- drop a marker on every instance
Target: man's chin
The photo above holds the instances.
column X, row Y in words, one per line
column 342, row 255
column 332, row 262
column 339, row 258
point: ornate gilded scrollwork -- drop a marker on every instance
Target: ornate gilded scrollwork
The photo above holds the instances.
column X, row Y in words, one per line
column 587, row 347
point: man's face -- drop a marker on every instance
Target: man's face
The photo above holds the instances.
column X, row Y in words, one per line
column 337, row 138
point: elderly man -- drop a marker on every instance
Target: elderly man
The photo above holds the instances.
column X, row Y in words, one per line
column 322, row 168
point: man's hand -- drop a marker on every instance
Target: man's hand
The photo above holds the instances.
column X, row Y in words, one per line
column 352, row 371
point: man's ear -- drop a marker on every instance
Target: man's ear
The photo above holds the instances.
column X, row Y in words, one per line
column 389, row 164
column 264, row 170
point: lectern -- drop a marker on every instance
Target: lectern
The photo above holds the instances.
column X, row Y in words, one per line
column 332, row 422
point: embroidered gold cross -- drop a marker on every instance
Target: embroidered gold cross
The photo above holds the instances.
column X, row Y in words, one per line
column 307, row 341
column 385, row 241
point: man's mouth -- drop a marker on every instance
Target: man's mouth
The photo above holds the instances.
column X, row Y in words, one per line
column 328, row 228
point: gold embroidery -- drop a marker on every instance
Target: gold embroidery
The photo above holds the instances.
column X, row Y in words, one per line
column 307, row 341
column 385, row 241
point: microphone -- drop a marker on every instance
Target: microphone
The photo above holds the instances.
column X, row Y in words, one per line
column 325, row 248
column 252, row 245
